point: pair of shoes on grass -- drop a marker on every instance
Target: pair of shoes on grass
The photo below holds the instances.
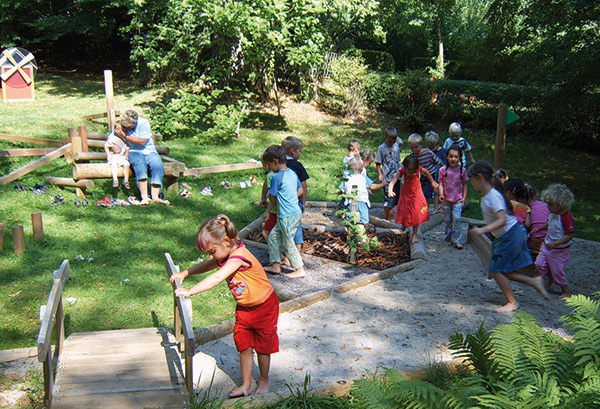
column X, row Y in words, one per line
column 58, row 200
column 106, row 202
column 185, row 193
column 78, row 203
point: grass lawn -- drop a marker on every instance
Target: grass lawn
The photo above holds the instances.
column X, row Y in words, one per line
column 124, row 284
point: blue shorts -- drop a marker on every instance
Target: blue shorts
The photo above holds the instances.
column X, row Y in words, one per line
column 427, row 188
column 363, row 211
column 388, row 201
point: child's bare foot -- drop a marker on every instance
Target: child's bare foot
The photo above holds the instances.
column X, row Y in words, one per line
column 459, row 246
column 298, row 273
column 274, row 268
column 262, row 388
column 285, row 262
column 240, row 392
column 539, row 285
column 415, row 239
column 564, row 295
column 448, row 243
column 508, row 307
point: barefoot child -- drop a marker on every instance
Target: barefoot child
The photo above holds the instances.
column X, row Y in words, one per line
column 556, row 249
column 412, row 206
column 284, row 191
column 362, row 184
column 453, row 193
column 509, row 248
column 257, row 308
column 117, row 156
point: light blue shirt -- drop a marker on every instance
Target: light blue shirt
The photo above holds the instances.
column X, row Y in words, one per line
column 142, row 130
column 284, row 186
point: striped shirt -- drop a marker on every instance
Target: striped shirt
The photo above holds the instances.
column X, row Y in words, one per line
column 429, row 160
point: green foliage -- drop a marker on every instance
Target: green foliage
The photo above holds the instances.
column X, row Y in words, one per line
column 199, row 113
column 376, row 60
column 516, row 366
column 348, row 83
column 305, row 398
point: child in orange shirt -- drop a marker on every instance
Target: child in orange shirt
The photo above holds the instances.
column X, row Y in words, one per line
column 257, row 308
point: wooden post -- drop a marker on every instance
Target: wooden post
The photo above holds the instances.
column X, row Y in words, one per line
column 110, row 101
column 38, row 226
column 69, row 155
column 500, row 136
column 1, row 235
column 83, row 135
column 18, row 239
column 353, row 251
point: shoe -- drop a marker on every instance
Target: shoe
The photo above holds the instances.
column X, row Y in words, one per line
column 122, row 202
column 207, row 191
column 133, row 200
column 77, row 203
column 115, row 183
column 185, row 185
column 59, row 198
column 185, row 193
column 226, row 185
column 144, row 202
column 161, row 195
column 253, row 180
column 242, row 185
column 126, row 185
column 106, row 202
column 84, row 202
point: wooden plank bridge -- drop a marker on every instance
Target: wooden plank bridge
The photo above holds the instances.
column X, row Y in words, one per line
column 120, row 369
column 134, row 368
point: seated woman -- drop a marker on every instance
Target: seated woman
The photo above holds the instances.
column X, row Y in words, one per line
column 142, row 155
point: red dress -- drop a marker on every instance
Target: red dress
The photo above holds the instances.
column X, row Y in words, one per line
column 412, row 206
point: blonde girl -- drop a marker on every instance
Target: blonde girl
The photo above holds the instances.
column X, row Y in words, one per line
column 509, row 248
column 257, row 308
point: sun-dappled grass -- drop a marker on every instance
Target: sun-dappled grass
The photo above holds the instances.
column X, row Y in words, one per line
column 124, row 284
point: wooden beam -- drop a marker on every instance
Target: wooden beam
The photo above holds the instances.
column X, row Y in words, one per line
column 221, row 168
column 103, row 170
column 28, row 139
column 23, row 170
column 13, row 153
column 110, row 100
column 83, row 183
column 97, row 136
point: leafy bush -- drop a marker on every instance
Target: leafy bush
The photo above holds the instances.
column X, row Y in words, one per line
column 199, row 113
column 348, row 83
column 381, row 61
column 516, row 365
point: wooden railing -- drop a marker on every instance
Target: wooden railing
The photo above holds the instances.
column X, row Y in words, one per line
column 50, row 314
column 183, row 330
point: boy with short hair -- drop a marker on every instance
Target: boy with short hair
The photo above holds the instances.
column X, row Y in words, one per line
column 363, row 184
column 388, row 163
column 284, row 191
column 455, row 131
column 293, row 149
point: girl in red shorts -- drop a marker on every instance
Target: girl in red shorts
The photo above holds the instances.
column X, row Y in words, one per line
column 257, row 308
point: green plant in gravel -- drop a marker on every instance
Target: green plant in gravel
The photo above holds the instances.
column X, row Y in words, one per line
column 305, row 398
column 516, row 365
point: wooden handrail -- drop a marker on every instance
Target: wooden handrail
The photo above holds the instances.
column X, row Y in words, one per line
column 183, row 330
column 50, row 314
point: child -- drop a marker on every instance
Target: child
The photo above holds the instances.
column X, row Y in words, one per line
column 453, row 193
column 367, row 156
column 427, row 160
column 257, row 308
column 539, row 219
column 293, row 149
column 455, row 131
column 272, row 218
column 353, row 152
column 117, row 156
column 388, row 163
column 284, row 191
column 433, row 143
column 556, row 249
column 412, row 205
column 509, row 248
column 362, row 184
column 515, row 191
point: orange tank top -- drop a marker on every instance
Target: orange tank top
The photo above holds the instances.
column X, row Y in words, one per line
column 250, row 286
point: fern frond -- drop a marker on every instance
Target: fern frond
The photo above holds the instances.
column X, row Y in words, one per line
column 476, row 350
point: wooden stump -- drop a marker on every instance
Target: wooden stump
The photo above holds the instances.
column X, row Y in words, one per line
column 18, row 239
column 38, row 226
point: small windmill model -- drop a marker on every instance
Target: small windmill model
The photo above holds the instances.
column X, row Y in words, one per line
column 17, row 71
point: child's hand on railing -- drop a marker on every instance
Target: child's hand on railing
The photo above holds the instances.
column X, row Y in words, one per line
column 182, row 291
column 179, row 276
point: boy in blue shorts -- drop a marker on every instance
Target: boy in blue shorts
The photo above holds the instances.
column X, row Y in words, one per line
column 387, row 162
column 284, row 191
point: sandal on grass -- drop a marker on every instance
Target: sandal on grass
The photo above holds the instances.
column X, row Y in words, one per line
column 115, row 183
column 126, row 185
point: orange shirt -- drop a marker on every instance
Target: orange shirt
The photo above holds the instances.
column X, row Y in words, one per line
column 250, row 286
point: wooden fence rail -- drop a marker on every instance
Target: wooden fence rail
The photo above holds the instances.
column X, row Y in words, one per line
column 183, row 330
column 50, row 314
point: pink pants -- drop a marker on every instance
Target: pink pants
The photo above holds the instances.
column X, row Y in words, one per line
column 553, row 262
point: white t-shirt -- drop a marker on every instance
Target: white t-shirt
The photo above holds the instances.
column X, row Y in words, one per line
column 491, row 204
column 360, row 181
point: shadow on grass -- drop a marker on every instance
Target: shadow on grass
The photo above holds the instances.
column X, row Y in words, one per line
column 265, row 121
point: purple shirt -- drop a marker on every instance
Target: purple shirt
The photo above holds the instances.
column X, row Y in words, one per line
column 452, row 181
column 539, row 217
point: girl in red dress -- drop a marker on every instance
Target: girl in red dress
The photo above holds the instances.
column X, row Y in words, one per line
column 412, row 206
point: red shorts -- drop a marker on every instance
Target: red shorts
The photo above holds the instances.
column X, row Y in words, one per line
column 271, row 222
column 256, row 327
